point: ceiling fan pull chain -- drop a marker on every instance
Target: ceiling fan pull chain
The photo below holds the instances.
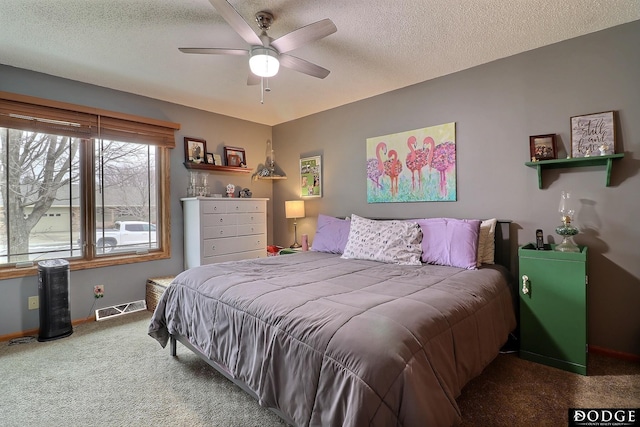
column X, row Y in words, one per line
column 261, row 90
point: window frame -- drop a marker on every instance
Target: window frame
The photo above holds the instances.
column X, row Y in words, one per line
column 121, row 125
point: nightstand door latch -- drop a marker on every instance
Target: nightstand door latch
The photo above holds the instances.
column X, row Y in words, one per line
column 525, row 284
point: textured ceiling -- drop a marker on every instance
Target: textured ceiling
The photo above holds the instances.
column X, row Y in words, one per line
column 380, row 45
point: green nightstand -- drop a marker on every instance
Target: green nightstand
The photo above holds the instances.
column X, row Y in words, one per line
column 553, row 307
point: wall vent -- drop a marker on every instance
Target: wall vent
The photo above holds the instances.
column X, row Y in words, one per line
column 121, row 309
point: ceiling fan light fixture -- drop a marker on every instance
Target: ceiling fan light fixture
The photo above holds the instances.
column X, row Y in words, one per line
column 264, row 61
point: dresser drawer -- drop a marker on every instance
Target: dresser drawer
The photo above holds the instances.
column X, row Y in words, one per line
column 250, row 218
column 229, row 245
column 220, row 231
column 214, row 206
column 248, row 229
column 211, row 220
column 234, row 257
column 244, row 205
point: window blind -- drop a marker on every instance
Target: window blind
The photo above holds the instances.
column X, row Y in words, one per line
column 42, row 115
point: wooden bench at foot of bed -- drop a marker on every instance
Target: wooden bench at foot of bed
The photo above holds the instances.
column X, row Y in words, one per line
column 155, row 289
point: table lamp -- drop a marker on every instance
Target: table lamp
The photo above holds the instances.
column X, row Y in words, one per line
column 294, row 209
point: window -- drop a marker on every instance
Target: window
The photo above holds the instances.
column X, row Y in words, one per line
column 80, row 184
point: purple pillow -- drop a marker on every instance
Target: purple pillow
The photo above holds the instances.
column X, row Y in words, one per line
column 331, row 234
column 449, row 241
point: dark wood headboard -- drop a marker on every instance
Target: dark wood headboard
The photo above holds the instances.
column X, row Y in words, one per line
column 503, row 244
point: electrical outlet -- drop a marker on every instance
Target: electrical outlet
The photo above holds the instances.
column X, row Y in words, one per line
column 33, row 303
column 98, row 291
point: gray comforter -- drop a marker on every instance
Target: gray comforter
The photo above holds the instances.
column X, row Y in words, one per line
column 334, row 342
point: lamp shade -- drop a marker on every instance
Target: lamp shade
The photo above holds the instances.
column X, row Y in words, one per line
column 264, row 61
column 294, row 209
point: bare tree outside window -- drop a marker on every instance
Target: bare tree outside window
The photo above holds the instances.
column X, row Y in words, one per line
column 37, row 170
column 41, row 194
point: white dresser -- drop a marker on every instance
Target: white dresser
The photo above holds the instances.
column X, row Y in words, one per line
column 218, row 230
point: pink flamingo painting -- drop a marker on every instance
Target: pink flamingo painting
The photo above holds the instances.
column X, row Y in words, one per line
column 417, row 159
column 393, row 168
column 375, row 167
column 443, row 159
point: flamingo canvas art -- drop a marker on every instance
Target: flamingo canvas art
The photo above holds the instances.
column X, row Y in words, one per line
column 413, row 166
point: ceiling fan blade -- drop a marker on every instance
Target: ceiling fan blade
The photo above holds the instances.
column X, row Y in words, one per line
column 304, row 35
column 253, row 80
column 214, row 51
column 236, row 21
column 303, row 66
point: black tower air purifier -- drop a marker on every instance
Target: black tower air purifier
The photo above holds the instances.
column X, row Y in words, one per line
column 53, row 290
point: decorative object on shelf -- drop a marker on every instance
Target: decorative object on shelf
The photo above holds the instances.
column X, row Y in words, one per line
column 428, row 155
column 591, row 132
column 311, row 176
column 270, row 158
column 567, row 230
column 245, row 193
column 231, row 189
column 543, row 147
column 217, row 159
column 235, row 157
column 294, row 209
column 210, row 160
column 268, row 170
column 194, row 149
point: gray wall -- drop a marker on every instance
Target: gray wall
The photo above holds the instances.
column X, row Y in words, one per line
column 496, row 107
column 127, row 282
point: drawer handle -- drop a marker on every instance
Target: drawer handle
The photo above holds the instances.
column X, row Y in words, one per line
column 215, row 208
column 252, row 218
column 221, row 232
column 221, row 220
column 525, row 284
column 213, row 248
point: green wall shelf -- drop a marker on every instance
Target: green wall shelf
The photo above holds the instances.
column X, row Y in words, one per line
column 575, row 163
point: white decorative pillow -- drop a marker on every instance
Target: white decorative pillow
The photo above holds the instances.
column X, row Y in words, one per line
column 396, row 242
column 486, row 241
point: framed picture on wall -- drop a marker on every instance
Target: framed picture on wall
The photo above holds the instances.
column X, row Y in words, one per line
column 311, row 176
column 194, row 149
column 593, row 134
column 235, row 156
column 543, row 147
column 210, row 159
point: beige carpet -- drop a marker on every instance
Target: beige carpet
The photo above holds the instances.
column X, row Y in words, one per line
column 111, row 373
column 515, row 392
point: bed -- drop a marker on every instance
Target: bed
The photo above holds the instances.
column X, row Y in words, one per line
column 324, row 339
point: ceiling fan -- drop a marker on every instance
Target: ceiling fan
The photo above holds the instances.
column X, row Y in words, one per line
column 266, row 54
